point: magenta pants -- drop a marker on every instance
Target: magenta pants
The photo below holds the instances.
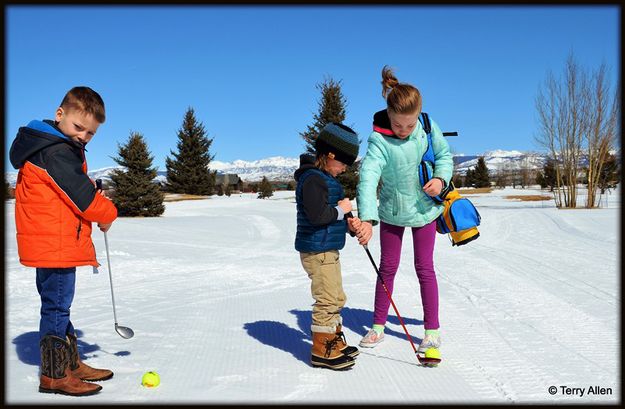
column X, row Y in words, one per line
column 423, row 245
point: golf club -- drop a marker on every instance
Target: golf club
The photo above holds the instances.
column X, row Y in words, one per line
column 388, row 294
column 123, row 332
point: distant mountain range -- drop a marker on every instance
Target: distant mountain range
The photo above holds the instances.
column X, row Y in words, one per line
column 281, row 168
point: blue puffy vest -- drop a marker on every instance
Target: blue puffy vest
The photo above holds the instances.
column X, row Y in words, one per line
column 313, row 239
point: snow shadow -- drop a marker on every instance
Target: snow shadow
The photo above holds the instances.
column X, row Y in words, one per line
column 297, row 342
column 27, row 348
column 279, row 335
column 359, row 321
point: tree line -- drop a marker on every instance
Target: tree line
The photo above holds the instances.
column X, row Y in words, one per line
column 188, row 172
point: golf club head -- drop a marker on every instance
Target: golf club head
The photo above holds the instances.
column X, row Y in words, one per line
column 124, row 332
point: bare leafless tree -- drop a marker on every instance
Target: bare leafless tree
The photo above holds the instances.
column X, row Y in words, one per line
column 561, row 105
column 601, row 119
column 501, row 178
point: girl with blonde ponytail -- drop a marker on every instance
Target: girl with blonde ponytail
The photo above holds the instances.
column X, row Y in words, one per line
column 394, row 151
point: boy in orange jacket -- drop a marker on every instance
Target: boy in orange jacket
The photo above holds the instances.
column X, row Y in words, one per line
column 55, row 204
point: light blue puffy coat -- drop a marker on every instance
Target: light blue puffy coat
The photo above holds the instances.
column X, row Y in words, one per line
column 402, row 199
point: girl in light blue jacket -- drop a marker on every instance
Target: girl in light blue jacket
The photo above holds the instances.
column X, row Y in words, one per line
column 394, row 151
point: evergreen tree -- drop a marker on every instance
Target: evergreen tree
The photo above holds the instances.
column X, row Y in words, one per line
column 547, row 178
column 8, row 194
column 610, row 175
column 188, row 171
column 252, row 187
column 332, row 108
column 349, row 180
column 456, row 179
column 480, row 174
column 469, row 179
column 540, row 179
column 265, row 189
column 135, row 192
column 227, row 190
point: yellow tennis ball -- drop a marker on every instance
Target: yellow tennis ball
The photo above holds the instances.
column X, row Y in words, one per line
column 433, row 353
column 150, row 380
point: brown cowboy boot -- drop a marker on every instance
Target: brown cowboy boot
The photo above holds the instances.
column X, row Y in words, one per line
column 56, row 376
column 81, row 369
column 325, row 351
column 343, row 347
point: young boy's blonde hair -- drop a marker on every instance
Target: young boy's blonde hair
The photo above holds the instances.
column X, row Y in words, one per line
column 401, row 98
column 85, row 100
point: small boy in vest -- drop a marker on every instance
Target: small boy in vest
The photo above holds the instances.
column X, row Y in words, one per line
column 322, row 211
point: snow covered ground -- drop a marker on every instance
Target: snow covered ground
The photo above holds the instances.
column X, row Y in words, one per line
column 220, row 306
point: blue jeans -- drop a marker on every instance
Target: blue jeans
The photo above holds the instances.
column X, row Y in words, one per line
column 56, row 288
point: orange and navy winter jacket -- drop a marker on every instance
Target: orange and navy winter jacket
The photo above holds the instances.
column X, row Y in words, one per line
column 55, row 200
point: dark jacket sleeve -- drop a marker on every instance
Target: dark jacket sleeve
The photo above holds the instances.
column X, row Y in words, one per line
column 315, row 202
column 64, row 165
column 65, row 168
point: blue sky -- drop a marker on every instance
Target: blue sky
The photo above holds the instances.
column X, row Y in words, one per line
column 250, row 72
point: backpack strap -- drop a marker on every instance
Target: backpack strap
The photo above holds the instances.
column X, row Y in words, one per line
column 424, row 118
column 428, row 156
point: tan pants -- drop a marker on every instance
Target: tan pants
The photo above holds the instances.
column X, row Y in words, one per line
column 324, row 269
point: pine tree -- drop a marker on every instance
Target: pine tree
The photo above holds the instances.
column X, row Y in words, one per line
column 265, row 189
column 469, row 179
column 188, row 171
column 349, row 180
column 610, row 175
column 456, row 179
column 135, row 192
column 540, row 179
column 547, row 178
column 480, row 174
column 8, row 194
column 332, row 108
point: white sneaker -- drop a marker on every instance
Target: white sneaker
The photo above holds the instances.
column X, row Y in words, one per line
column 371, row 339
column 429, row 341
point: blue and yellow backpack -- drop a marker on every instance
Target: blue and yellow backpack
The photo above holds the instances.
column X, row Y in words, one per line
column 460, row 218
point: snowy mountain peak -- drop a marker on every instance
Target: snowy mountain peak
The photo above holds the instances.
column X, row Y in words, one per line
column 274, row 168
column 503, row 154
